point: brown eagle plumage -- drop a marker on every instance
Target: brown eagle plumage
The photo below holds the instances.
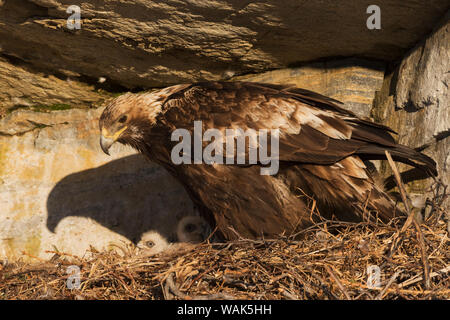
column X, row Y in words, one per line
column 322, row 149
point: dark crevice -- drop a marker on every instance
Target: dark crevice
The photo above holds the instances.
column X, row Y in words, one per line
column 410, row 107
column 442, row 135
column 342, row 61
column 36, row 126
column 109, row 85
column 19, row 11
column 393, row 83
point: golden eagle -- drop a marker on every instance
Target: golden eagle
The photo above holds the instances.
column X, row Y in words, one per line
column 322, row 149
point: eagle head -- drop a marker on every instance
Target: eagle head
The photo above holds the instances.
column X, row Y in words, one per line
column 127, row 118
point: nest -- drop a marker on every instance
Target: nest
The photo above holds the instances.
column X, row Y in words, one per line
column 405, row 259
column 335, row 260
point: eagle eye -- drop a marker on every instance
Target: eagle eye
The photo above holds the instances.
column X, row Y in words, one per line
column 122, row 119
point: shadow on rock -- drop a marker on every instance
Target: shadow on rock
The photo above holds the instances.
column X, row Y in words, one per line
column 129, row 196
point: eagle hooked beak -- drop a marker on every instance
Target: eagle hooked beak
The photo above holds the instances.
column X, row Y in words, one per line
column 107, row 140
column 105, row 144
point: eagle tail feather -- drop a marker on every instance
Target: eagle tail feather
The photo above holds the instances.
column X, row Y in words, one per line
column 399, row 153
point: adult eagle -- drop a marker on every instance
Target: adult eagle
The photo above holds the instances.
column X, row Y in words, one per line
column 321, row 152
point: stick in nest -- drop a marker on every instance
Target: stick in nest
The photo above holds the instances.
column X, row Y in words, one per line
column 401, row 187
column 170, row 285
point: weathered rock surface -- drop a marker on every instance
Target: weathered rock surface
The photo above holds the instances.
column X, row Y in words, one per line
column 423, row 80
column 58, row 189
column 155, row 43
column 415, row 102
column 351, row 81
column 20, row 87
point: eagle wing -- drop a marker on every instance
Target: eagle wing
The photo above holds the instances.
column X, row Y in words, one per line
column 313, row 129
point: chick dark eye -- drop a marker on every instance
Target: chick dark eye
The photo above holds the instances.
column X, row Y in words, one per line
column 190, row 228
column 122, row 119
